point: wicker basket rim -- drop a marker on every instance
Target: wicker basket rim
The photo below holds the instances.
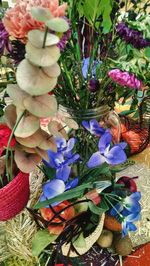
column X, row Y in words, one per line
column 13, row 182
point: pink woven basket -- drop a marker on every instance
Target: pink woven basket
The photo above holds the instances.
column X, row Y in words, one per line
column 14, row 196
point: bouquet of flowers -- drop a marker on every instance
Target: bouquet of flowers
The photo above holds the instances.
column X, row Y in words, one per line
column 60, row 120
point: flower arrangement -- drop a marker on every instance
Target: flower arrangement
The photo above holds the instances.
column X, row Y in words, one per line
column 68, row 73
column 68, row 197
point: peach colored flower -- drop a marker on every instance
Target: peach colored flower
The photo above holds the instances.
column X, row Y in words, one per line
column 18, row 20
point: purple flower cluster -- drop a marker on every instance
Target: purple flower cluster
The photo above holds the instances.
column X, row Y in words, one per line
column 132, row 36
column 4, row 39
column 124, row 78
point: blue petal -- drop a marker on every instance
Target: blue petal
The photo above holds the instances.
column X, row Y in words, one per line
column 75, row 157
column 132, row 227
column 136, row 195
column 70, row 144
column 104, row 142
column 61, row 143
column 123, row 145
column 117, row 208
column 124, row 229
column 53, row 188
column 86, row 125
column 96, row 160
column 85, row 67
column 96, row 128
column 131, row 217
column 73, row 183
column 115, row 156
column 63, row 173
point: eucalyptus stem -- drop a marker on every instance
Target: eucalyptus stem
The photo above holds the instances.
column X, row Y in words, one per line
column 45, row 36
column 1, row 180
column 8, row 145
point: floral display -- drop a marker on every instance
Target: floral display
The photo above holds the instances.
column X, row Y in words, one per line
column 71, row 62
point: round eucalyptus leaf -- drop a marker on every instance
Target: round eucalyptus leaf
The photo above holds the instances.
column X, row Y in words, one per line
column 40, row 13
column 33, row 80
column 52, row 71
column 28, row 125
column 36, row 38
column 56, row 129
column 43, row 57
column 31, row 141
column 48, row 142
column 10, row 115
column 16, row 94
column 41, row 106
column 57, row 24
column 26, row 162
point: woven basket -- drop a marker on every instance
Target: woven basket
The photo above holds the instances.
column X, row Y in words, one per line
column 14, row 196
column 89, row 241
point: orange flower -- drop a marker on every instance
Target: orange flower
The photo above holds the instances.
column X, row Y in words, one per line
column 18, row 20
column 67, row 214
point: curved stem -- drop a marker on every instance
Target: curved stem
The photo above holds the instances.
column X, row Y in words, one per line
column 8, row 145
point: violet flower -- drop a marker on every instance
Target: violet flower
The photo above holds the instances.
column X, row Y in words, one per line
column 93, row 85
column 65, row 37
column 132, row 36
column 62, row 159
column 128, row 211
column 113, row 156
column 93, row 127
column 85, row 67
column 56, row 187
column 4, row 39
column 125, row 79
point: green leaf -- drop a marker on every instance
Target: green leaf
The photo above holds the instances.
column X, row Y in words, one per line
column 127, row 112
column 41, row 240
column 95, row 209
column 106, row 6
column 73, row 193
column 147, row 52
column 40, row 13
column 80, row 242
column 92, row 10
column 57, row 24
column 104, row 205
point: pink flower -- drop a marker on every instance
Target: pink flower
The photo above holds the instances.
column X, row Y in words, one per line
column 18, row 20
column 125, row 79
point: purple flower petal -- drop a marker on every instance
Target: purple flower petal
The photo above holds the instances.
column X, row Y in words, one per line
column 96, row 160
column 73, row 183
column 104, row 142
column 115, row 156
column 123, row 145
column 61, row 144
column 63, row 173
column 53, row 188
column 117, row 208
column 74, row 158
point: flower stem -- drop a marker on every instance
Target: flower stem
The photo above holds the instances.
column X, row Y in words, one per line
column 45, row 36
column 9, row 178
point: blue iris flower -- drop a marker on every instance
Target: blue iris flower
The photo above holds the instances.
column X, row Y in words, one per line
column 129, row 218
column 56, row 187
column 85, row 67
column 129, row 210
column 113, row 156
column 65, row 147
column 93, row 127
column 63, row 158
